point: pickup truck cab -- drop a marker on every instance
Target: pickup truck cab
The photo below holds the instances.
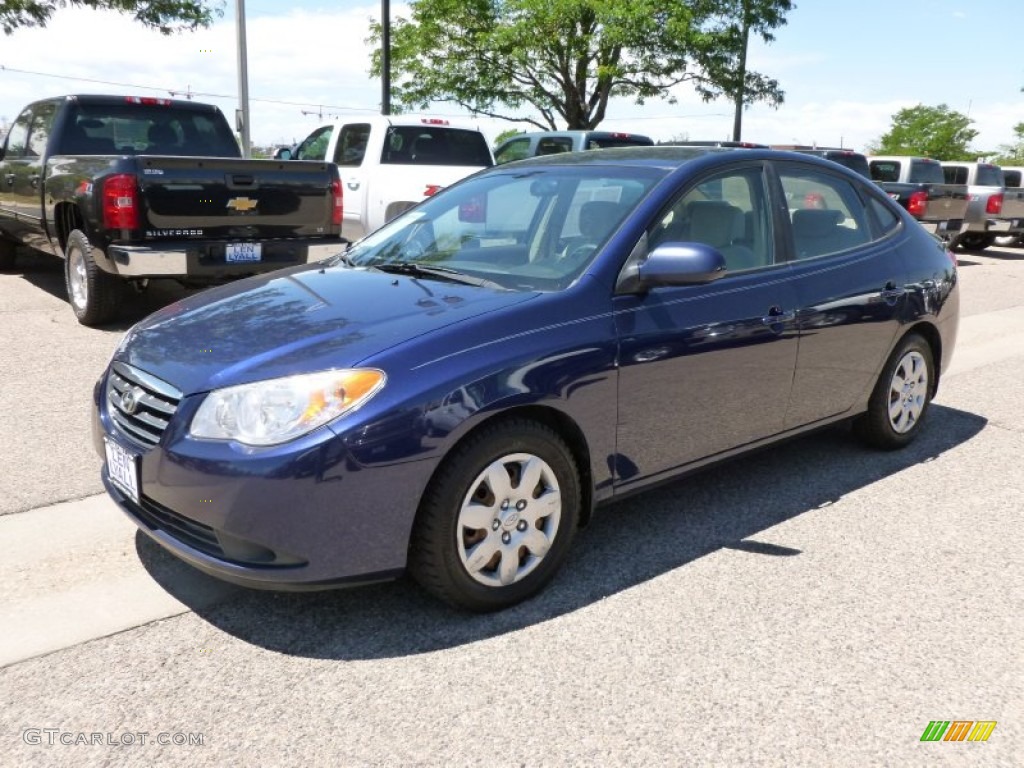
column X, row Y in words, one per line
column 991, row 212
column 525, row 145
column 1013, row 178
column 847, row 158
column 389, row 164
column 917, row 183
column 126, row 189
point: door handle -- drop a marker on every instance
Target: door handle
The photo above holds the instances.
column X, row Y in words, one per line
column 891, row 293
column 353, row 185
column 9, row 178
column 776, row 316
column 34, row 181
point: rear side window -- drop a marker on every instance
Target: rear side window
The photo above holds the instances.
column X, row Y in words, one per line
column 884, row 170
column 140, row 129
column 42, row 123
column 352, row 145
column 429, row 145
column 17, row 137
column 1011, row 178
column 886, row 219
column 826, row 212
column 954, row 174
column 924, row 172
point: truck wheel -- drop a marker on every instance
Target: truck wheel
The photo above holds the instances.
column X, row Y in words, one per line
column 1008, row 241
column 6, row 255
column 498, row 518
column 975, row 241
column 95, row 296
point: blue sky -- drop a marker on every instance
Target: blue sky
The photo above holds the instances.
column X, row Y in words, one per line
column 846, row 68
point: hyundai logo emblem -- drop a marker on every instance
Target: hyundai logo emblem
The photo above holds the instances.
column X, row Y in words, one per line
column 129, row 401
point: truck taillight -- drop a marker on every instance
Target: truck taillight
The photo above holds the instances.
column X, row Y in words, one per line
column 121, row 202
column 995, row 204
column 917, row 203
column 339, row 198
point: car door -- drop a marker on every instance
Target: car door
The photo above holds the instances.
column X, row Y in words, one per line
column 11, row 167
column 706, row 368
column 850, row 286
column 28, row 177
column 349, row 154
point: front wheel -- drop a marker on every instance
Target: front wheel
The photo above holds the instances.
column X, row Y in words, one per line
column 95, row 295
column 901, row 396
column 498, row 518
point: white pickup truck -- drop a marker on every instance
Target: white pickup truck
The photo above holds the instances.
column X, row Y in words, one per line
column 388, row 163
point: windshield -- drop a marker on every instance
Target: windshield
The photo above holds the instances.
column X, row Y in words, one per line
column 535, row 229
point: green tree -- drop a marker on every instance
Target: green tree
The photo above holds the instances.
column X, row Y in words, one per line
column 1012, row 154
column 564, row 59
column 938, row 132
column 164, row 15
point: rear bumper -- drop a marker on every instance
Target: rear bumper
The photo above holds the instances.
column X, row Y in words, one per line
column 206, row 260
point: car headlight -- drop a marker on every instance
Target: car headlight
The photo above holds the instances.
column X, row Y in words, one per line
column 278, row 410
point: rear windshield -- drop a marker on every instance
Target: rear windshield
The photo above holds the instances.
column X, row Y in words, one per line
column 922, row 172
column 884, row 170
column 1012, row 178
column 990, row 176
column 852, row 160
column 428, row 145
column 140, row 129
column 607, row 142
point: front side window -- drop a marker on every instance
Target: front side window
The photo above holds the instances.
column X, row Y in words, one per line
column 17, row 137
column 826, row 212
column 727, row 211
column 314, row 146
column 535, row 230
column 517, row 149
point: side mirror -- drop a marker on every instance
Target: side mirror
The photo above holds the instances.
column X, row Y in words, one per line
column 284, row 154
column 673, row 264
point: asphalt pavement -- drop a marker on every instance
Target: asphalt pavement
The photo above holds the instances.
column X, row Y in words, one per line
column 814, row 605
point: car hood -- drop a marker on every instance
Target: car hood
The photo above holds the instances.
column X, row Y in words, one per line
column 293, row 321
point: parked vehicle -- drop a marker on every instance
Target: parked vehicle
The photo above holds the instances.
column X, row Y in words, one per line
column 456, row 393
column 918, row 185
column 1013, row 200
column 538, row 143
column 126, row 189
column 714, row 143
column 855, row 161
column 991, row 213
column 389, row 164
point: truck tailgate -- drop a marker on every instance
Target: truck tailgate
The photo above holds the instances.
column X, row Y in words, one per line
column 946, row 202
column 229, row 198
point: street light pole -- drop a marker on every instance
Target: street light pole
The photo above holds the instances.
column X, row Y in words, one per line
column 242, row 114
column 737, row 123
column 385, row 57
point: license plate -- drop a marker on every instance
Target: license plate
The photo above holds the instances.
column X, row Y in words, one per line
column 122, row 468
column 244, row 251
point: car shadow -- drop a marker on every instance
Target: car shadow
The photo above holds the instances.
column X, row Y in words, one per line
column 628, row 543
column 46, row 273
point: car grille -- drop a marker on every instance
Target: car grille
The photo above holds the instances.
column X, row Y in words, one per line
column 141, row 406
column 191, row 532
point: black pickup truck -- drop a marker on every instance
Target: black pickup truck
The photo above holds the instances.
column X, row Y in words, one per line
column 126, row 189
column 917, row 183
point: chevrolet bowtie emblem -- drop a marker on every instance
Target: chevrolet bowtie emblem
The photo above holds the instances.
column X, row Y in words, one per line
column 242, row 204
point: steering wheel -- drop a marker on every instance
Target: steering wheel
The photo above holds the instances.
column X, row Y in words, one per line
column 579, row 252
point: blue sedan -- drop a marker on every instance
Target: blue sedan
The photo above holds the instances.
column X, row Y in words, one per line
column 458, row 392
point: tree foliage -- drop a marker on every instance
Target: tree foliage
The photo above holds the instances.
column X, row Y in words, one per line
column 164, row 15
column 564, row 59
column 938, row 132
column 1012, row 154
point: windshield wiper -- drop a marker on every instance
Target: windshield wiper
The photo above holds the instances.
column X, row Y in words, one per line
column 415, row 269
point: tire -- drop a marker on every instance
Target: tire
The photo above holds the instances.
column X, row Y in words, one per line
column 975, row 241
column 94, row 295
column 476, row 507
column 902, row 395
column 1008, row 241
column 7, row 250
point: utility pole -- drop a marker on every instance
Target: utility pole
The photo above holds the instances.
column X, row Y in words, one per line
column 242, row 113
column 385, row 57
column 737, row 123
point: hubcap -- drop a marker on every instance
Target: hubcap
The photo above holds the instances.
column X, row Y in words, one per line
column 509, row 519
column 77, row 280
column 908, row 392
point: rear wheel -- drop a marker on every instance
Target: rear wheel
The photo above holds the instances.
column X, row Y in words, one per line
column 6, row 255
column 498, row 519
column 1007, row 241
column 975, row 241
column 901, row 396
column 95, row 296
